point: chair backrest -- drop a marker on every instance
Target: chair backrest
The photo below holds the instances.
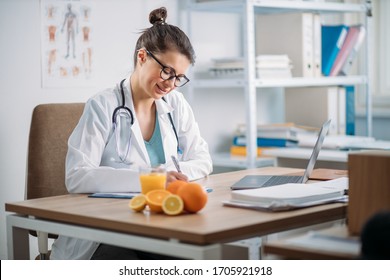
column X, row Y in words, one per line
column 51, row 126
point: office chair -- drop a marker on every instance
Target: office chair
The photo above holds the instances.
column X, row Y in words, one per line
column 51, row 126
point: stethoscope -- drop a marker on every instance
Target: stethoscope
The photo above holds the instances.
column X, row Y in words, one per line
column 129, row 114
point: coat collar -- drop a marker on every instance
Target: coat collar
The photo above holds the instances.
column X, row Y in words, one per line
column 162, row 107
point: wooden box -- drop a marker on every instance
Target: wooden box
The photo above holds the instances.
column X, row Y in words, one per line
column 369, row 186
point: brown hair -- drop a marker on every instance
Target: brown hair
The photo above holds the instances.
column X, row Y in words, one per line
column 162, row 37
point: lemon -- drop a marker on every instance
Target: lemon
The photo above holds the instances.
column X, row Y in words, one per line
column 173, row 205
column 138, row 203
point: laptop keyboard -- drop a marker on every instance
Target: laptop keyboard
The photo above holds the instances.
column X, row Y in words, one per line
column 279, row 180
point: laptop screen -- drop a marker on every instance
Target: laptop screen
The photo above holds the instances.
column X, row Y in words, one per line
column 316, row 151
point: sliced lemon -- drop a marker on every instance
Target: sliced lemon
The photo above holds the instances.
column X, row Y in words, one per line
column 173, row 205
column 138, row 203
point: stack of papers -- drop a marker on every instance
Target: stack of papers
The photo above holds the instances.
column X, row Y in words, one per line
column 273, row 67
column 279, row 131
column 290, row 196
column 267, row 67
column 343, row 142
column 228, row 67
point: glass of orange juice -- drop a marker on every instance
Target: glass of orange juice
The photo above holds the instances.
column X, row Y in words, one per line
column 152, row 178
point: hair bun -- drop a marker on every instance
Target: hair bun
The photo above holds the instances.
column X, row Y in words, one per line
column 158, row 16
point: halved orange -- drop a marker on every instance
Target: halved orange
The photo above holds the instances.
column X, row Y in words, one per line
column 138, row 203
column 155, row 198
column 173, row 205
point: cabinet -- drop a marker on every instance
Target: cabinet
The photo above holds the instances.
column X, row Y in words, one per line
column 249, row 83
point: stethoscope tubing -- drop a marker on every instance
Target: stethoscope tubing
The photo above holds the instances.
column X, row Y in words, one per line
column 124, row 107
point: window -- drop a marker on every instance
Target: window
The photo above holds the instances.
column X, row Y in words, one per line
column 379, row 58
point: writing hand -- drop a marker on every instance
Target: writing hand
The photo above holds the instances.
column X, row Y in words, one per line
column 174, row 175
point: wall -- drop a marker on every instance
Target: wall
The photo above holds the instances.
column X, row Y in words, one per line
column 116, row 30
column 117, row 26
column 217, row 111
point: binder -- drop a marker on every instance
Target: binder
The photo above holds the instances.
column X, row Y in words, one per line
column 333, row 37
column 349, row 44
column 290, row 34
column 342, row 111
column 266, row 142
column 317, row 49
column 351, row 57
column 311, row 106
column 350, row 110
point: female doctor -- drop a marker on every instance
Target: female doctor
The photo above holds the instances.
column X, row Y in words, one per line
column 143, row 120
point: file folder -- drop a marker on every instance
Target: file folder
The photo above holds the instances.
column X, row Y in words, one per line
column 290, row 34
column 346, row 49
column 333, row 37
column 351, row 57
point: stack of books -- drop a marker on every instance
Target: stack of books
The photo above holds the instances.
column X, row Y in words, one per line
column 268, row 136
column 267, row 67
column 273, row 67
column 227, row 67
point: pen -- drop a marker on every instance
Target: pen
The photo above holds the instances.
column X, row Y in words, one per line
column 176, row 163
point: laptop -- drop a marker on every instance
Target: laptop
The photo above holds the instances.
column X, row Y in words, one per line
column 259, row 181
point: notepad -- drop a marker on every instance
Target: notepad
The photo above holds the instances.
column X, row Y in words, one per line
column 126, row 195
column 290, row 195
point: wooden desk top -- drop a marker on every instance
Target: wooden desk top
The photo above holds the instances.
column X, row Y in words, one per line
column 213, row 224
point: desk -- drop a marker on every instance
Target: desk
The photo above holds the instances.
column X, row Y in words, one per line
column 299, row 157
column 333, row 243
column 194, row 236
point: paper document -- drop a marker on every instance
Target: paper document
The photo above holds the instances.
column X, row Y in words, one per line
column 289, row 196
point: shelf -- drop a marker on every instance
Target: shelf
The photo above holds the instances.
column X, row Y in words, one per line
column 271, row 6
column 248, row 83
column 226, row 160
column 271, row 83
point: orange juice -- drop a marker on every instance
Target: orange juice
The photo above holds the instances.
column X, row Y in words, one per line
column 152, row 181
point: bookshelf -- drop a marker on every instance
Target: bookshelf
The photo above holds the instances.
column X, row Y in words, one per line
column 249, row 83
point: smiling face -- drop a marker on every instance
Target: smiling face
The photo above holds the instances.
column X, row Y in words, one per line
column 148, row 71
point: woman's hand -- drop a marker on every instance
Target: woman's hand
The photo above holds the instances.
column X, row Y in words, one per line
column 174, row 175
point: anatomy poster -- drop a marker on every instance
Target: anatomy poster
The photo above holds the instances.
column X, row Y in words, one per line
column 67, row 43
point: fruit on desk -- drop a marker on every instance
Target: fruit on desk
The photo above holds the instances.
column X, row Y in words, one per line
column 138, row 203
column 194, row 197
column 190, row 197
column 173, row 205
column 173, row 186
column 155, row 198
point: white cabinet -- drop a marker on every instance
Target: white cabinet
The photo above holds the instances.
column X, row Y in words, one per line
column 249, row 83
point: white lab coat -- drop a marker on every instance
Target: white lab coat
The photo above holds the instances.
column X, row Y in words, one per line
column 92, row 163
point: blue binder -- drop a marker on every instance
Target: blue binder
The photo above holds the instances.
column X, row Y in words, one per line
column 266, row 142
column 333, row 37
column 350, row 110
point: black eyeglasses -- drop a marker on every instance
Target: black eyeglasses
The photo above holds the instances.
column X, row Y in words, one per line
column 168, row 73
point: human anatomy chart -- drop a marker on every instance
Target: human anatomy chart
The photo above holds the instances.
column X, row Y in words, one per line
column 67, row 43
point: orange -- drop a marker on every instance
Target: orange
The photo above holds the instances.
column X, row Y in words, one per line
column 172, row 205
column 155, row 198
column 194, row 197
column 173, row 186
column 138, row 203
